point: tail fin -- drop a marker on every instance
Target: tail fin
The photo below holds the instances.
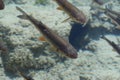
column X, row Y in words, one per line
column 24, row 16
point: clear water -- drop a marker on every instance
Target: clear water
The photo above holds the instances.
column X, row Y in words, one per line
column 23, row 54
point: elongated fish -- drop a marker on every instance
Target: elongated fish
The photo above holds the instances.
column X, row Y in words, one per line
column 1, row 5
column 113, row 12
column 72, row 11
column 115, row 46
column 58, row 42
column 113, row 15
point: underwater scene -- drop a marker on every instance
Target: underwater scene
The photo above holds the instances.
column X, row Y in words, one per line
column 59, row 39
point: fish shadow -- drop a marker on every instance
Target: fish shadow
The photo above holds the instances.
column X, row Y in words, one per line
column 81, row 35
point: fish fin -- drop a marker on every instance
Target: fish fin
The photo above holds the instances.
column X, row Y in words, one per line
column 113, row 50
column 118, row 56
column 42, row 38
column 59, row 8
column 22, row 16
column 53, row 48
column 57, row 50
column 66, row 20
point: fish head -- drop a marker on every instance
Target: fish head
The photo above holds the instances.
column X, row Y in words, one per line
column 70, row 52
column 80, row 18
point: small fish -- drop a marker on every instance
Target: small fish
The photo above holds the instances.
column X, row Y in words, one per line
column 74, row 13
column 115, row 46
column 58, row 42
column 115, row 16
column 100, row 2
column 113, row 12
column 2, row 6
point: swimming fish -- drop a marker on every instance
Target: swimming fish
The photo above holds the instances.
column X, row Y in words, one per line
column 2, row 6
column 113, row 12
column 115, row 46
column 115, row 16
column 74, row 13
column 58, row 42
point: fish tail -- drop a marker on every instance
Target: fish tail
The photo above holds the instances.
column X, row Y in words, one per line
column 24, row 16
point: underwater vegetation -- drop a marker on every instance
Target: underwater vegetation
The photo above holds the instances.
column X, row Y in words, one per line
column 43, row 2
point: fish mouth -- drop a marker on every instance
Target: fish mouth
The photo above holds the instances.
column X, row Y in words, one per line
column 70, row 52
column 82, row 21
column 73, row 55
column 69, row 55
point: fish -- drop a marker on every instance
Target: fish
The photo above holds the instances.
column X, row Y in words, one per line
column 52, row 37
column 113, row 12
column 115, row 46
column 74, row 13
column 2, row 6
column 115, row 16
